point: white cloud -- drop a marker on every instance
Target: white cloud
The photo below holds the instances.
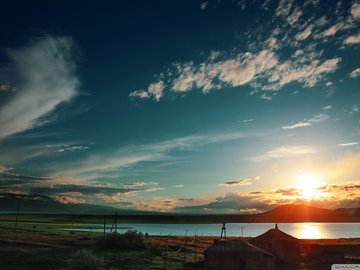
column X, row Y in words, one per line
column 265, row 97
column 46, row 78
column 355, row 73
column 297, row 125
column 349, row 144
column 321, row 117
column 155, row 90
column 140, row 94
column 355, row 10
column 327, row 107
column 354, row 39
column 248, row 120
column 305, row 33
column 286, row 152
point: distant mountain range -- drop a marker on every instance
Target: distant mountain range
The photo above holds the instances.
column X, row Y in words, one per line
column 41, row 204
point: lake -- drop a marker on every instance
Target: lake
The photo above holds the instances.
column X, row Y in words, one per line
column 299, row 230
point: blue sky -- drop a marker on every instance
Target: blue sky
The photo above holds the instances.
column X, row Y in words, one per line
column 182, row 106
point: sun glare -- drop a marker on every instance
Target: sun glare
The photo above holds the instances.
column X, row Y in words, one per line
column 309, row 185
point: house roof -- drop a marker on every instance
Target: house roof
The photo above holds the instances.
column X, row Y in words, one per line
column 275, row 234
column 224, row 245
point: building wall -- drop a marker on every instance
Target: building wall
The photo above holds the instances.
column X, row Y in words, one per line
column 238, row 261
column 288, row 251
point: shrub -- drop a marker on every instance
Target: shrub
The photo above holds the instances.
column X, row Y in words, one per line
column 84, row 259
column 131, row 240
column 155, row 249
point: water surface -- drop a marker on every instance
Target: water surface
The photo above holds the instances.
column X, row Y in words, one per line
column 300, row 230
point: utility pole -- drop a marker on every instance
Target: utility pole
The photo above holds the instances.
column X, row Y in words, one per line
column 104, row 225
column 16, row 219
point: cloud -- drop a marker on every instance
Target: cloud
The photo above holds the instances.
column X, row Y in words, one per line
column 327, row 107
column 10, row 180
column 204, row 5
column 332, row 30
column 240, row 182
column 297, row 125
column 309, row 73
column 130, row 155
column 355, row 10
column 283, row 9
column 294, row 17
column 305, row 33
column 355, row 73
column 351, row 40
column 6, row 87
column 248, row 120
column 141, row 184
column 286, row 152
column 83, row 189
column 349, row 144
column 232, row 202
column 354, row 109
column 45, row 77
column 321, row 117
column 155, row 91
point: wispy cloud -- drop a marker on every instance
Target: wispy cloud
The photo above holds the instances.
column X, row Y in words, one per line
column 286, row 152
column 133, row 154
column 240, row 182
column 321, row 117
column 45, row 74
column 297, row 125
column 349, row 144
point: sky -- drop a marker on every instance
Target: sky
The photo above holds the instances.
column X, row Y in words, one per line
column 182, row 106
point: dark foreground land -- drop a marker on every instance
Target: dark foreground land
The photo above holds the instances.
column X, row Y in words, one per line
column 46, row 250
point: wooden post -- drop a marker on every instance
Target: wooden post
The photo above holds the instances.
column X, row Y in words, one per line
column 16, row 219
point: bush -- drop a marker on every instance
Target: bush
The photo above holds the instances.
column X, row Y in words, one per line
column 154, row 249
column 84, row 259
column 131, row 240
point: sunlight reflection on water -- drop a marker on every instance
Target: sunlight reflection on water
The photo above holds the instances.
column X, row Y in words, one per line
column 309, row 231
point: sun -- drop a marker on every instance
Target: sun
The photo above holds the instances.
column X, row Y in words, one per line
column 309, row 185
